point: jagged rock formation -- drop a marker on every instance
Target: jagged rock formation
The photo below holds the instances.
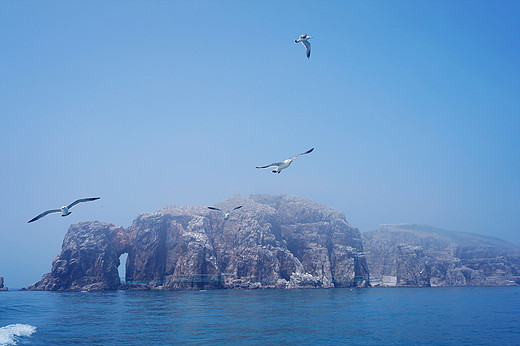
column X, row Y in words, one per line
column 2, row 288
column 272, row 242
column 414, row 255
column 89, row 259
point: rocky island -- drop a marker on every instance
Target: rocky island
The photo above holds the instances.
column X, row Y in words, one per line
column 418, row 255
column 272, row 242
column 2, row 288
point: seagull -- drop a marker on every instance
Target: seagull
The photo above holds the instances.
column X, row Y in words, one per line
column 63, row 210
column 226, row 215
column 286, row 163
column 304, row 40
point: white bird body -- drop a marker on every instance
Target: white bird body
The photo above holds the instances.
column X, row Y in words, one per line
column 304, row 39
column 226, row 215
column 64, row 210
column 284, row 164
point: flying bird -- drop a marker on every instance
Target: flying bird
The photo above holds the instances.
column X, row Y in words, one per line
column 65, row 209
column 286, row 163
column 226, row 215
column 304, row 39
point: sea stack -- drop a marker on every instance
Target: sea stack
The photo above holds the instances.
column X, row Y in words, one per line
column 89, row 259
column 2, row 288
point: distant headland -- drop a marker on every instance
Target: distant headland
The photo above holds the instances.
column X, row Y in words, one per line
column 273, row 241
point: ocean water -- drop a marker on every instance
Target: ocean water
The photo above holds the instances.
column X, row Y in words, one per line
column 370, row 316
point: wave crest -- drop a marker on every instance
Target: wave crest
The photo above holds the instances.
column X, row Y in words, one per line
column 9, row 334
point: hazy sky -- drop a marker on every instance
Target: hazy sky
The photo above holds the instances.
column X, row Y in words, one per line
column 412, row 106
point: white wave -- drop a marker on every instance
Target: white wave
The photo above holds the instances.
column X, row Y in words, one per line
column 10, row 334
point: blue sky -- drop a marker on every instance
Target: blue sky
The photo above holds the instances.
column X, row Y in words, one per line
column 412, row 107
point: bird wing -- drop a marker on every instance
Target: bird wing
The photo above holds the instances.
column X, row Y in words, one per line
column 217, row 209
column 307, row 45
column 43, row 214
column 272, row 164
column 82, row 200
column 235, row 208
column 307, row 152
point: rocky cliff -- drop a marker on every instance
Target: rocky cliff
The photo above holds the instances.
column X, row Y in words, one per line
column 89, row 259
column 2, row 288
column 415, row 255
column 272, row 242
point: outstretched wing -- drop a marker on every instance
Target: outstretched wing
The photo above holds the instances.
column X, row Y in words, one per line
column 82, row 200
column 43, row 214
column 307, row 45
column 235, row 208
column 307, row 152
column 217, row 209
column 272, row 164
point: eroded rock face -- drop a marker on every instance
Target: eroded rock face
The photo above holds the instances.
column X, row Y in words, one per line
column 272, row 242
column 417, row 255
column 173, row 251
column 89, row 259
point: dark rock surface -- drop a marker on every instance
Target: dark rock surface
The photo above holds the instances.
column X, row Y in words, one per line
column 415, row 255
column 2, row 288
column 272, row 242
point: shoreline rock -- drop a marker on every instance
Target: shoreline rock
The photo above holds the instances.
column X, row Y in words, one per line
column 2, row 288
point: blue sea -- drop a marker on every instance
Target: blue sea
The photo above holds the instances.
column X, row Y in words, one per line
column 368, row 316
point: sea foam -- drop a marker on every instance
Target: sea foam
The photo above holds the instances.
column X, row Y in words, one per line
column 9, row 334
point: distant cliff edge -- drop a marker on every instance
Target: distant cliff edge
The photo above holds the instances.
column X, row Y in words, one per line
column 274, row 241
column 416, row 255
